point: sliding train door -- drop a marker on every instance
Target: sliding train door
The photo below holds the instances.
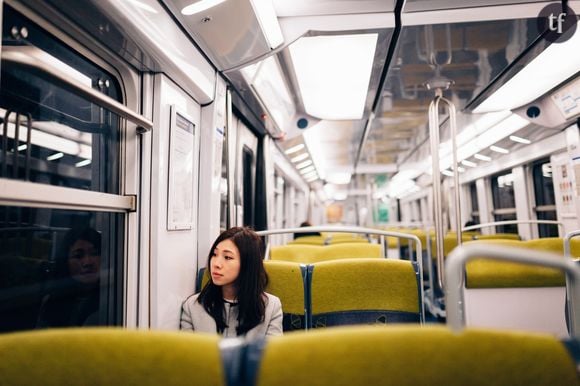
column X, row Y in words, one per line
column 245, row 187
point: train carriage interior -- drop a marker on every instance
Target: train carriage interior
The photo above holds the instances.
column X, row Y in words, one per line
column 412, row 168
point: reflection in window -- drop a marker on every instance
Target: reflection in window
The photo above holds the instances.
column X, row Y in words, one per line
column 59, row 268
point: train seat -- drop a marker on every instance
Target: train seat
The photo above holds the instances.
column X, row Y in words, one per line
column 347, row 251
column 510, row 295
column 295, row 252
column 308, row 240
column 338, row 238
column 307, row 254
column 287, row 282
column 411, row 355
column 363, row 291
column 109, row 356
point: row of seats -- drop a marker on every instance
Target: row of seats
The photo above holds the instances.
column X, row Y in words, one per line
column 362, row 355
column 308, row 254
column 349, row 291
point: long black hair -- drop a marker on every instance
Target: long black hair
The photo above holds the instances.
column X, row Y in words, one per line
column 250, row 284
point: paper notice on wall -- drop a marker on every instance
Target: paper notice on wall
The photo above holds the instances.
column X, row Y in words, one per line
column 181, row 167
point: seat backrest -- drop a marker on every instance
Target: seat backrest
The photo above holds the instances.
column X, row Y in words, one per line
column 347, row 251
column 449, row 243
column 409, row 355
column 339, row 238
column 485, row 273
column 109, row 356
column 355, row 291
column 295, row 252
column 286, row 280
column 308, row 240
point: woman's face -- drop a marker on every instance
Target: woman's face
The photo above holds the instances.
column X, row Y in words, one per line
column 84, row 262
column 225, row 264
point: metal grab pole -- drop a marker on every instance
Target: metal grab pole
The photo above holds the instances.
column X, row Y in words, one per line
column 434, row 139
column 437, row 220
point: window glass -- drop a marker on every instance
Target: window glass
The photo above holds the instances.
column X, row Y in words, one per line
column 502, row 188
column 58, row 268
column 50, row 134
column 474, row 203
column 545, row 199
column 248, row 175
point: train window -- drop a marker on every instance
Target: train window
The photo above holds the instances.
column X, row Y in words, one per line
column 545, row 200
column 58, row 267
column 49, row 134
column 474, row 203
column 504, row 204
column 248, row 175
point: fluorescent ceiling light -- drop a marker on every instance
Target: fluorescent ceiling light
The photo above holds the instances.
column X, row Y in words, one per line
column 499, row 130
column 311, row 179
column 311, row 175
column 307, row 169
column 22, row 147
column 82, row 163
column 199, row 6
column 333, row 73
column 469, row 163
column 482, row 157
column 520, row 139
column 294, row 149
column 498, row 149
column 547, row 70
column 300, row 157
column 448, row 173
column 266, row 14
column 143, row 6
column 55, row 156
column 302, row 165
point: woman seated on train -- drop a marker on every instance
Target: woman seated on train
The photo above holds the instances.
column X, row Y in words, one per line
column 234, row 301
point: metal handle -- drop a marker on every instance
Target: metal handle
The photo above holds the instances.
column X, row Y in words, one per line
column 434, row 141
column 567, row 240
column 38, row 60
column 455, row 274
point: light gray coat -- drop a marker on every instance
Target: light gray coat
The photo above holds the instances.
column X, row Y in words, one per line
column 195, row 318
